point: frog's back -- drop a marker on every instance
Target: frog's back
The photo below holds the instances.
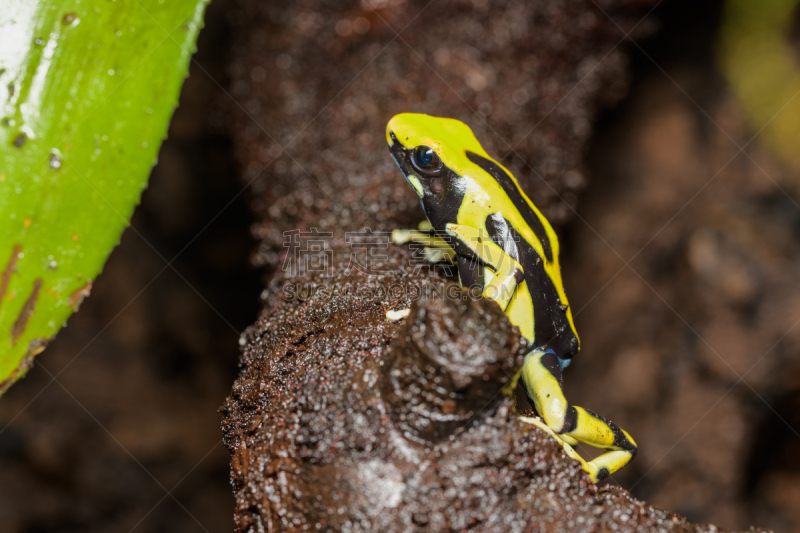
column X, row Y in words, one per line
column 521, row 230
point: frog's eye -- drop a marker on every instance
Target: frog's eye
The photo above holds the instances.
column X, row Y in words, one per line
column 426, row 160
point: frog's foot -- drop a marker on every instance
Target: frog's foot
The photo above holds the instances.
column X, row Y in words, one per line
column 435, row 250
column 565, row 443
column 541, row 375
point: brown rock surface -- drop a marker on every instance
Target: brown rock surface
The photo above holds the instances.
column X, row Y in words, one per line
column 338, row 420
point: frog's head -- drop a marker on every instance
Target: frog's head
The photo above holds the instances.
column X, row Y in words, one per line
column 431, row 153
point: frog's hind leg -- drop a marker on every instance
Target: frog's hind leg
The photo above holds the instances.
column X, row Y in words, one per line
column 541, row 375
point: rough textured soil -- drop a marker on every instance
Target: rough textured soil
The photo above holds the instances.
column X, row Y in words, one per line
column 341, row 420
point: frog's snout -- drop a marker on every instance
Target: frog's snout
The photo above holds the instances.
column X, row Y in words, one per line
column 397, row 127
column 396, row 148
column 391, row 138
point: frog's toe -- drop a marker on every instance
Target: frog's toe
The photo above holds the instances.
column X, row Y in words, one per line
column 402, row 236
column 569, row 440
column 438, row 255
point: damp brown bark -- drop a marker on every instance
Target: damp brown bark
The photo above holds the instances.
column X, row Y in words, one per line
column 340, row 419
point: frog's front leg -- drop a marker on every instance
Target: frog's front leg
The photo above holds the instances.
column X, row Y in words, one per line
column 541, row 375
column 507, row 272
column 436, row 249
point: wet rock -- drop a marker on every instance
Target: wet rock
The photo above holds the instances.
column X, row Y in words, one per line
column 342, row 420
column 451, row 359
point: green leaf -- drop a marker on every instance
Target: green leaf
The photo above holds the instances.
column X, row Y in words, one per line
column 87, row 89
column 759, row 59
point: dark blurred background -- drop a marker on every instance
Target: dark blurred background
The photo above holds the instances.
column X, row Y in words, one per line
column 684, row 289
column 693, row 245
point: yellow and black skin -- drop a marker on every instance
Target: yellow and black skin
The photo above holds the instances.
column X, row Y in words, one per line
column 479, row 218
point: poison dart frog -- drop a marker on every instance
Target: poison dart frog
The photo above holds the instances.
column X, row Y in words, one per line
column 480, row 220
